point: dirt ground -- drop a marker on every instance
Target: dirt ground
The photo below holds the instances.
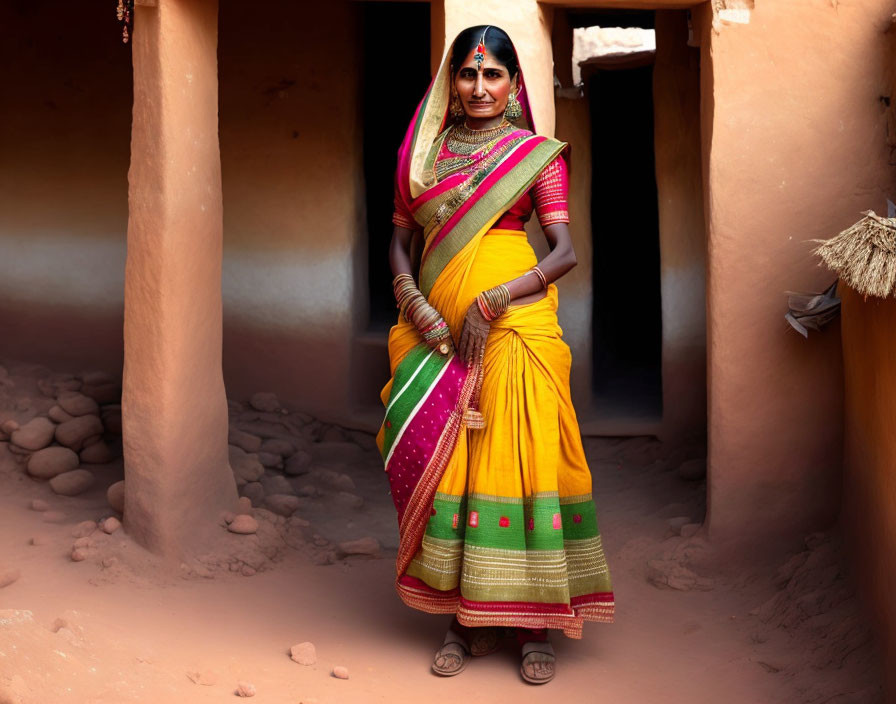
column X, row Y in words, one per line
column 115, row 627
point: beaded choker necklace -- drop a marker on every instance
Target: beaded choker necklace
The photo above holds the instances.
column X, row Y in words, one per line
column 463, row 140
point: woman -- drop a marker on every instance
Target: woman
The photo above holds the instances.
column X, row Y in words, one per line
column 480, row 440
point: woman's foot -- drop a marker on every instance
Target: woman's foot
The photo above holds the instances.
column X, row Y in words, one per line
column 538, row 659
column 452, row 657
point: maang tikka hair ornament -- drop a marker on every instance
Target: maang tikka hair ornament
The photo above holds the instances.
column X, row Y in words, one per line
column 479, row 56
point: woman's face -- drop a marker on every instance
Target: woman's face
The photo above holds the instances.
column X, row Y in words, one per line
column 483, row 92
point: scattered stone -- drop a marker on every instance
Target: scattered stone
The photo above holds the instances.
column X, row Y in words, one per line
column 677, row 522
column 206, row 677
column 246, row 466
column 245, row 689
column 111, row 524
column 335, row 480
column 53, row 517
column 340, row 672
column 254, row 491
column 74, row 482
column 7, row 577
column 36, row 434
column 265, row 401
column 277, row 484
column 19, row 455
column 51, row 461
column 332, row 433
column 79, row 555
column 83, row 542
column 76, row 432
column 362, row 546
column 83, row 529
column 247, row 571
column 689, row 529
column 8, row 427
column 269, row 459
column 58, row 415
column 243, row 524
column 243, row 440
column 299, row 463
column 228, row 516
column 308, row 490
column 692, row 470
column 303, row 653
column 244, row 506
column 282, row 504
column 77, row 404
column 97, row 453
column 671, row 574
column 115, row 496
column 39, row 505
column 278, row 446
column 110, row 561
column 348, row 499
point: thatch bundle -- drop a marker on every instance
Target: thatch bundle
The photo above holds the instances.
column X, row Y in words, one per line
column 864, row 255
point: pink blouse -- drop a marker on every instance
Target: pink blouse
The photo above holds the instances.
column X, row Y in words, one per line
column 548, row 196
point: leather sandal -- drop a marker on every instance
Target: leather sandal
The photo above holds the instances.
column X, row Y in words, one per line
column 452, row 657
column 537, row 666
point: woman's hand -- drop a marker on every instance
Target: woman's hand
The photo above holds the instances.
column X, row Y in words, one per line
column 473, row 335
column 436, row 343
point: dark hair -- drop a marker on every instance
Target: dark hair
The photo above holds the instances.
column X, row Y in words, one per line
column 496, row 42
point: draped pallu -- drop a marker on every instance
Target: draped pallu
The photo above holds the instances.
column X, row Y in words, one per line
column 497, row 525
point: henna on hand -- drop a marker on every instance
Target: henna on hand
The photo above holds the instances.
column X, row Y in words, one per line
column 474, row 335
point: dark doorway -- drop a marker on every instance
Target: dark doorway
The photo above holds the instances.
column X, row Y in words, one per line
column 627, row 315
column 395, row 76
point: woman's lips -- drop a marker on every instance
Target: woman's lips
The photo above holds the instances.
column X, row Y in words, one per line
column 479, row 105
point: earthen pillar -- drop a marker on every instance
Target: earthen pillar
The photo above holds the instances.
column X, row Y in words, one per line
column 174, row 409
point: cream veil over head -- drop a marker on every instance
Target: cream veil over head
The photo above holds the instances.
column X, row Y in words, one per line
column 432, row 116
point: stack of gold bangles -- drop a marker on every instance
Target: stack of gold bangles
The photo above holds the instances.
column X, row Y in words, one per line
column 417, row 310
column 494, row 301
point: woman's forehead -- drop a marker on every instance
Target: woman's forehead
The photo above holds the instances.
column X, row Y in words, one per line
column 489, row 62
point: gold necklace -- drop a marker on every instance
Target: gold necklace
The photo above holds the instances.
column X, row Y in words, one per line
column 463, row 140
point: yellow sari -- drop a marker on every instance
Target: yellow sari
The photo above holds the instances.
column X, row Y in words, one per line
column 509, row 536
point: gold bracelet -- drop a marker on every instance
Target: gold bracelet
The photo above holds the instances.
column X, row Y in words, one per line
column 541, row 277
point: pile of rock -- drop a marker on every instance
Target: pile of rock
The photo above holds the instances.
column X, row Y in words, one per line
column 282, row 460
column 73, row 433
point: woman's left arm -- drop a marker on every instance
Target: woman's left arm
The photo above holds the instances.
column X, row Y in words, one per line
column 560, row 260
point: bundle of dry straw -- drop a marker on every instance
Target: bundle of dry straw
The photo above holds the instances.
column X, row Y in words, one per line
column 864, row 255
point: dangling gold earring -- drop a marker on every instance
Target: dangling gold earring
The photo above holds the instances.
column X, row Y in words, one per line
column 455, row 107
column 514, row 109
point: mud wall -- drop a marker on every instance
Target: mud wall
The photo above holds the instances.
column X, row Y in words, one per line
column 794, row 147
column 676, row 94
column 293, row 200
column 65, row 131
column 869, row 487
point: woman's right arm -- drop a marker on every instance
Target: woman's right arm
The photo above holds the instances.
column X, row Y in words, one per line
column 400, row 250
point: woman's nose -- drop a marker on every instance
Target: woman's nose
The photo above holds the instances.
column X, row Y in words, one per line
column 478, row 90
